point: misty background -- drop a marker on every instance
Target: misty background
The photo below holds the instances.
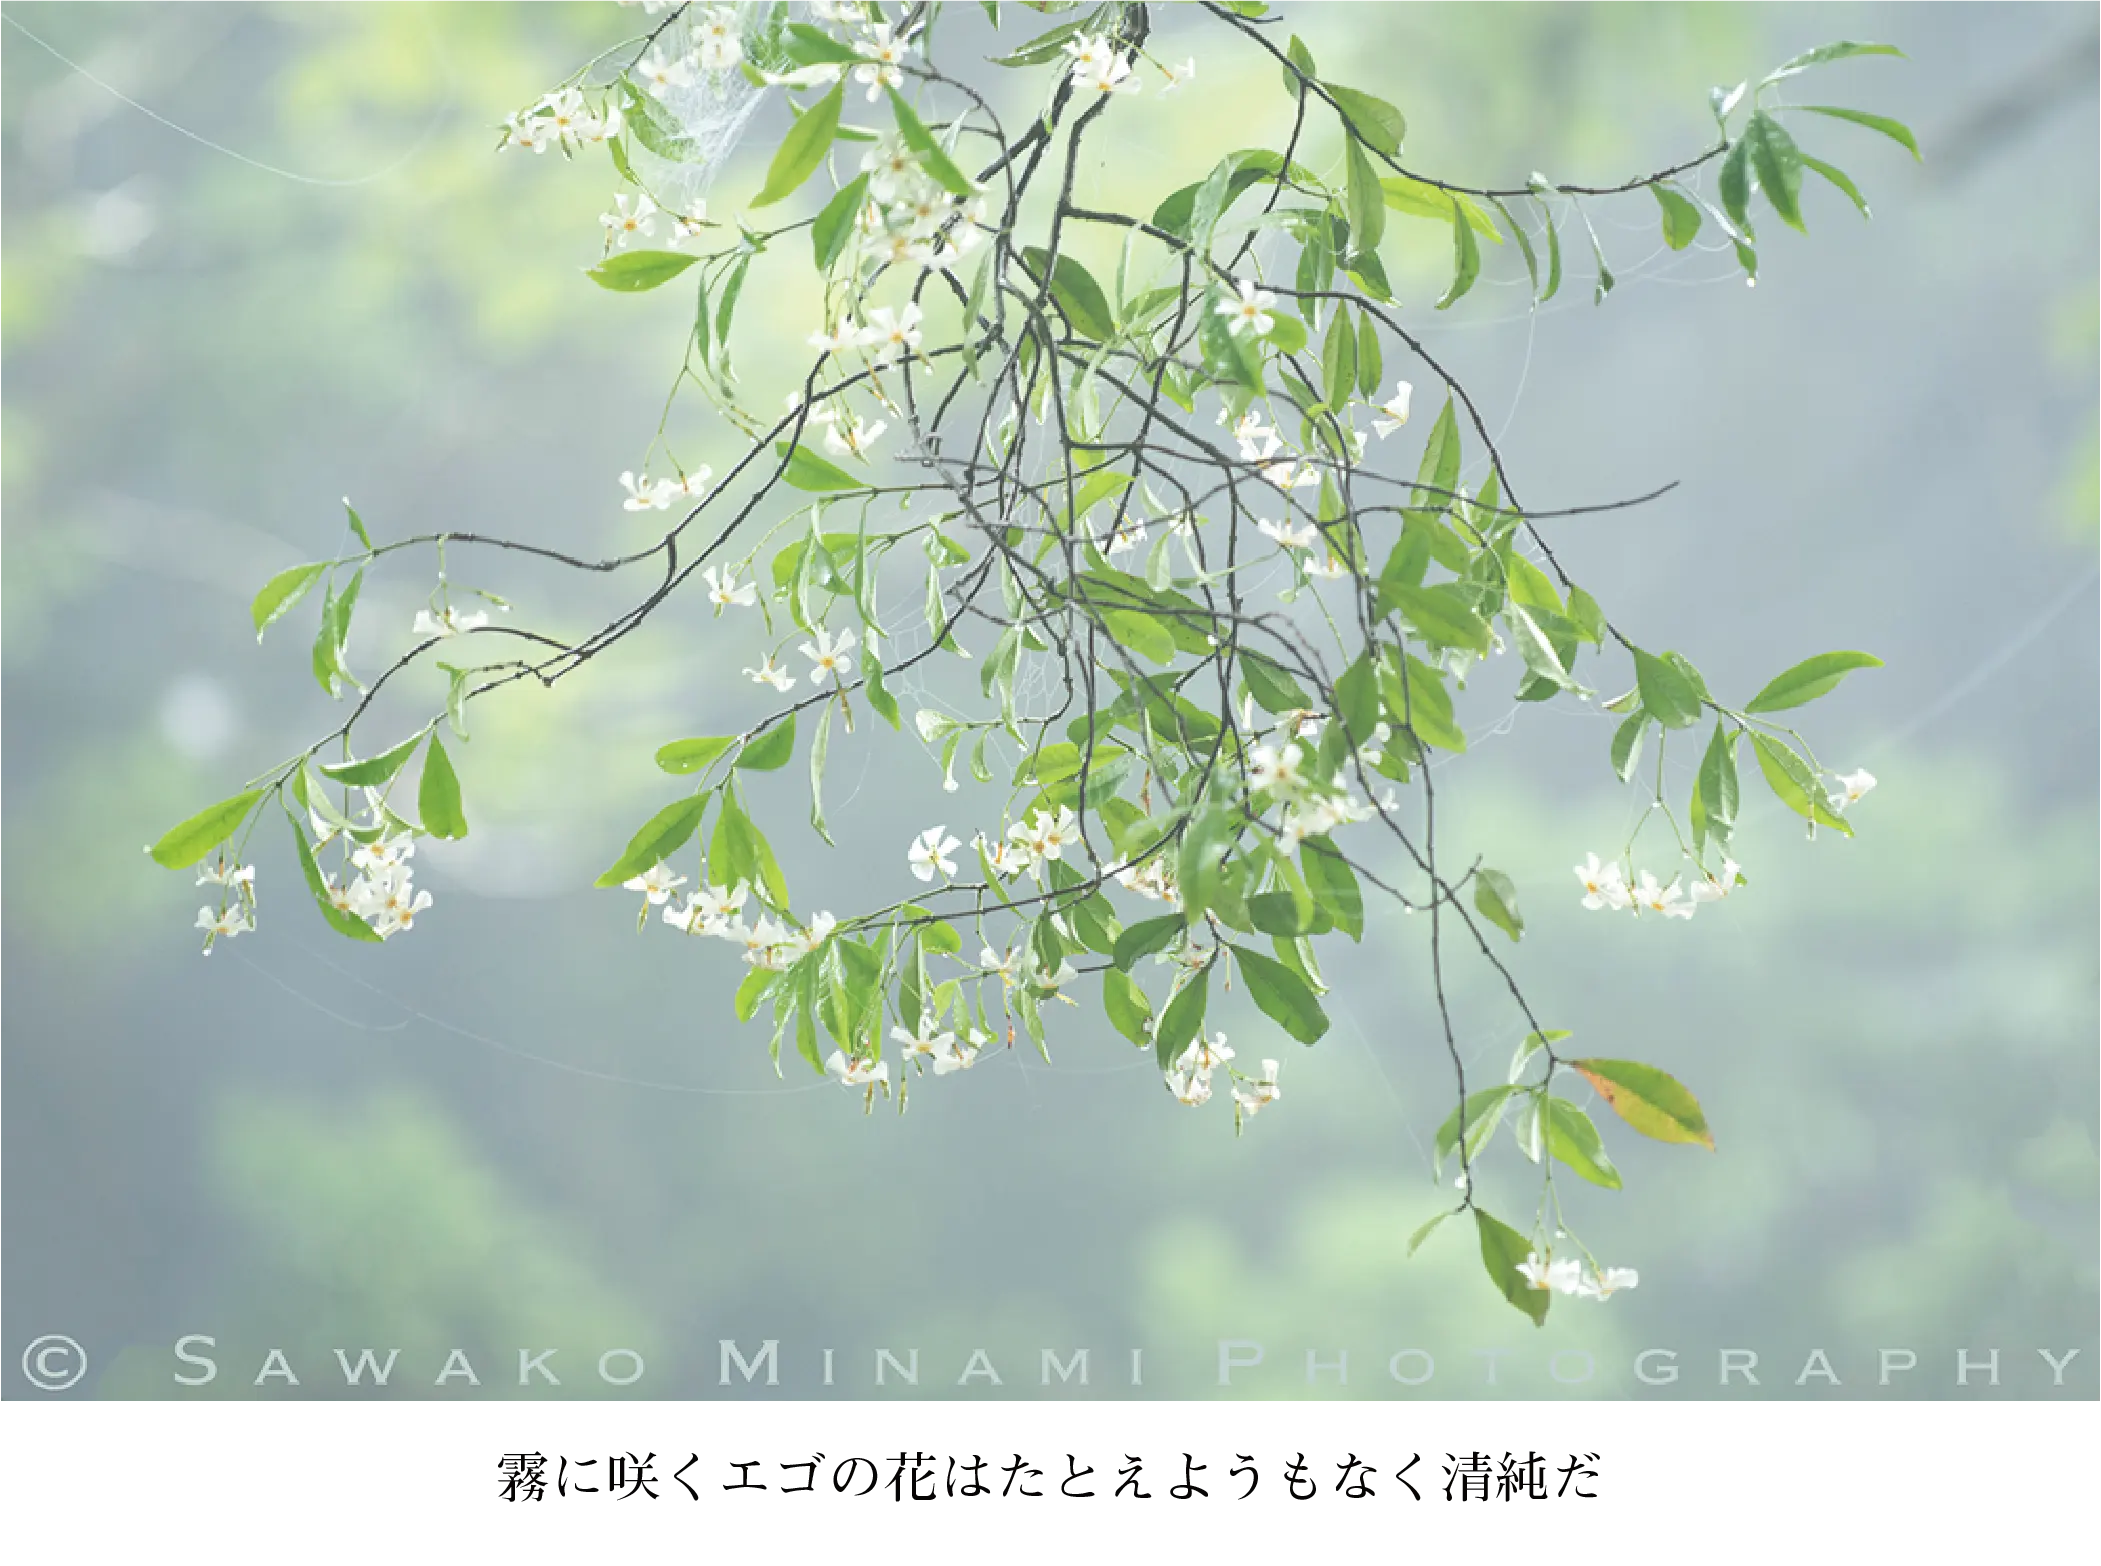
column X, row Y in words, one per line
column 524, row 1126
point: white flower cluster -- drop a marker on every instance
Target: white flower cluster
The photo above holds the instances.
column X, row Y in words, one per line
column 717, row 46
column 562, row 119
column 647, row 494
column 1566, row 1275
column 1276, row 775
column 1155, row 879
column 1027, row 845
column 719, row 911
column 235, row 914
column 1100, row 70
column 383, row 895
column 1190, row 1077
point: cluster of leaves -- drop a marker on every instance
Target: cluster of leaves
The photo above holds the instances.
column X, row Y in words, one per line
column 1246, row 758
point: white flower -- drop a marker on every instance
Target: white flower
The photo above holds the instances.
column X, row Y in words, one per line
column 1127, row 537
column 447, row 622
column 1252, row 1096
column 837, row 340
column 1178, row 74
column 1250, row 309
column 1052, row 835
column 1205, row 1055
column 1665, row 900
column 891, row 167
column 528, row 132
column 230, row 923
column 725, row 591
column 959, row 1056
column 760, row 941
column 1190, row 1087
column 624, row 225
column 1604, row 886
column 1275, row 771
column 717, row 907
column 857, row 1072
column 687, row 484
column 854, row 438
column 772, row 674
column 1851, row 785
column 1301, row 535
column 926, row 1041
column 805, row 76
column 929, row 854
column 1395, row 409
column 340, row 897
column 829, row 656
column 644, row 493
column 566, row 116
column 891, row 334
column 224, row 874
column 718, row 47
column 1087, row 52
column 1563, row 1277
column 657, row 883
column 1006, row 966
column 1604, row 1284
column 602, row 128
column 798, row 944
column 884, row 55
column 1111, row 75
column 390, row 902
column 387, row 853
column 661, row 71
column 1712, row 887
column 685, row 228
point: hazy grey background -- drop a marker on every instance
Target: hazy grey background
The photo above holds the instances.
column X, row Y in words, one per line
column 526, row 1127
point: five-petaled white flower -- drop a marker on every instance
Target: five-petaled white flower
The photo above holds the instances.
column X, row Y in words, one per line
column 1604, row 885
column 1670, row 901
column 1851, row 785
column 625, row 224
column 725, row 591
column 892, row 333
column 884, row 55
column 657, row 883
column 644, row 493
column 1395, row 409
column 829, row 656
column 926, row 1041
column 841, row 337
column 661, row 71
column 1275, row 771
column 929, row 854
column 1563, row 1276
column 1206, row 1054
column 231, row 922
column 772, row 674
column 226, row 873
column 389, row 901
column 1292, row 535
column 447, row 622
column 1178, row 74
column 685, row 228
column 1249, row 309
column 850, row 436
column 1111, row 75
column 1250, row 1097
column 858, row 1072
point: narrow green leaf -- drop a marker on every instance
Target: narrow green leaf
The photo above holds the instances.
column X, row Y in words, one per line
column 1466, row 265
column 1895, row 130
column 1180, row 1022
column 1671, row 698
column 282, row 591
column 1333, row 885
column 1126, row 1006
column 1778, row 163
column 638, row 271
column 1377, row 122
column 1284, row 997
column 1495, row 895
column 808, row 471
column 691, row 755
column 770, row 751
column 1575, row 1141
column 1626, row 743
column 374, row 770
column 1365, row 205
column 661, row 836
column 1823, row 54
column 1809, row 679
column 937, row 163
column 1839, row 178
column 1717, row 784
column 803, row 148
column 184, row 845
column 1503, row 1251
column 1142, row 939
column 835, row 224
column 1076, row 292
column 1793, row 784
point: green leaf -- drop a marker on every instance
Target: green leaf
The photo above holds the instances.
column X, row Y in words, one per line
column 1370, row 362
column 1076, row 292
column 1778, row 162
column 184, row 845
column 376, row 769
column 1839, row 178
column 1441, row 615
column 357, row 524
column 1650, row 1101
column 820, row 748
column 1553, row 255
column 1793, row 784
column 652, row 125
column 284, row 590
column 1416, row 1239
column 438, row 794
column 803, row 148
column 1419, row 703
column 1044, row 46
column 1227, row 357
column 1823, row 54
column 1419, row 198
column 1376, row 121
column 835, row 224
column 1809, row 679
column 937, row 163
column 1495, row 895
column 1284, row 997
column 1302, row 58
column 1626, row 743
column 770, row 751
column 1180, row 1022
column 1286, row 336
column 691, row 755
column 808, row 471
column 1671, row 698
column 1126, row 1006
column 1333, row 885
column 638, row 271
column 1895, row 130
column 1466, row 264
column 341, row 920
column 1574, row 1140
column 1681, row 218
column 1482, row 1112
column 1142, row 939
column 661, row 836
column 807, row 45
column 1366, row 204
column 1503, row 1251
column 1734, row 183
column 1717, row 786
